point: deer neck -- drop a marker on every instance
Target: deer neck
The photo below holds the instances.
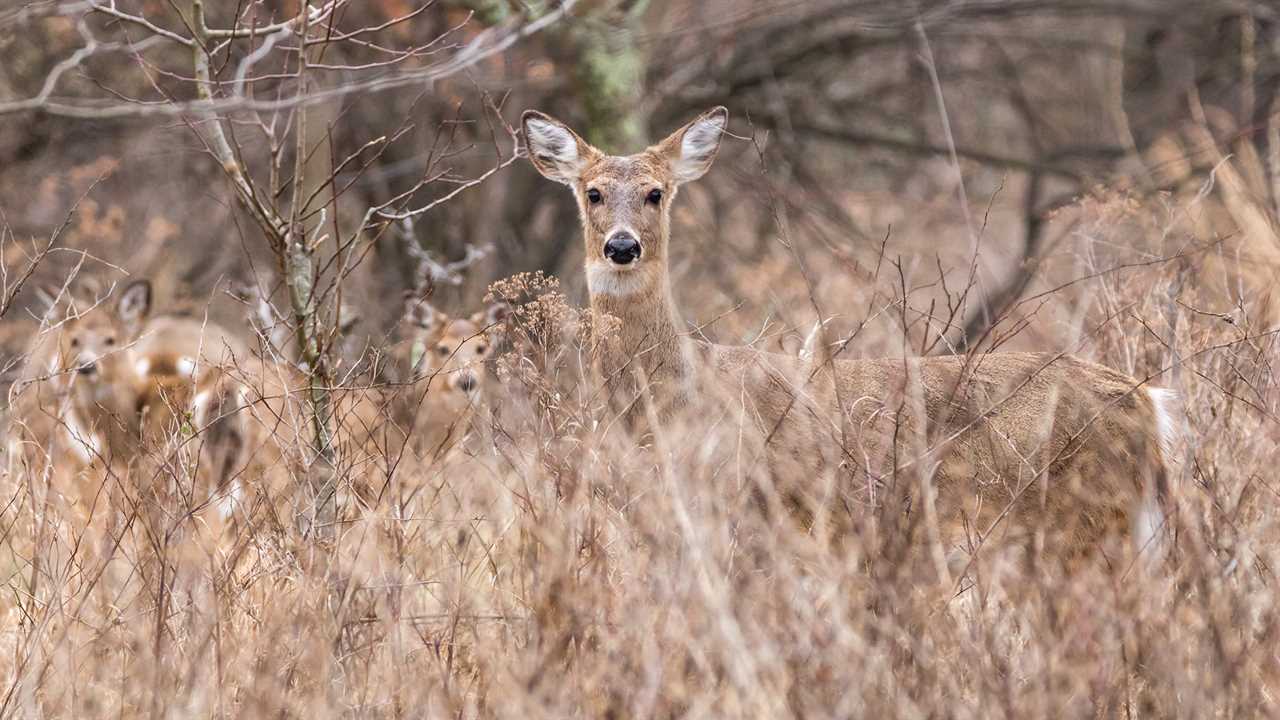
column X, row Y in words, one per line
column 649, row 336
column 108, row 412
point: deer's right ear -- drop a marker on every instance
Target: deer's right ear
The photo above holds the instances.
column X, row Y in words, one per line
column 418, row 312
column 555, row 150
column 135, row 304
column 47, row 296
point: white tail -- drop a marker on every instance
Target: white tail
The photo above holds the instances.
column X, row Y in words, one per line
column 1151, row 530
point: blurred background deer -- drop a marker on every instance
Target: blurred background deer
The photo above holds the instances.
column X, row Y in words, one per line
column 445, row 362
column 107, row 382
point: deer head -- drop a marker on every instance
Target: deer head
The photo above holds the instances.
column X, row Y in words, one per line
column 92, row 362
column 451, row 349
column 624, row 201
column 95, row 334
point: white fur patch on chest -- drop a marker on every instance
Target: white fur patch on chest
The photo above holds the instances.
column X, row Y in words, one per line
column 86, row 443
column 602, row 279
column 232, row 498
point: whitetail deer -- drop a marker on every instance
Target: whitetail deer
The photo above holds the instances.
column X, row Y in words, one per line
column 192, row 407
column 196, row 429
column 107, row 381
column 1011, row 445
column 80, row 391
column 442, row 377
column 444, row 361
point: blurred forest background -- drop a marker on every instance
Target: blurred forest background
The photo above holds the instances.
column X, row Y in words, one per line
column 911, row 133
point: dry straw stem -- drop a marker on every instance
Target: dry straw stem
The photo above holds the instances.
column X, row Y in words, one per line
column 558, row 564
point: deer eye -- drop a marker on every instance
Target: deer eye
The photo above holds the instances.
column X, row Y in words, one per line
column 655, row 196
column 442, row 350
column 593, row 196
column 75, row 342
column 480, row 349
column 111, row 341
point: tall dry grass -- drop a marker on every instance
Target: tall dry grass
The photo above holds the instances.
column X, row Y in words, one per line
column 561, row 564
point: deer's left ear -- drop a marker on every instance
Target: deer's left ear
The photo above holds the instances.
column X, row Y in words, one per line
column 693, row 148
column 48, row 298
column 493, row 315
column 134, row 304
column 492, row 320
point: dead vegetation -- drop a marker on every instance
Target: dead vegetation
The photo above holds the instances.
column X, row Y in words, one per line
column 373, row 465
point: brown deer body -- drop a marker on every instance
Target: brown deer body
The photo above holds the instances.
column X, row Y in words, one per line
column 373, row 429
column 112, row 388
column 1001, row 445
column 77, row 401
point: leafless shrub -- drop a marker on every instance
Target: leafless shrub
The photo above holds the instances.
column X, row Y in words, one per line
column 557, row 561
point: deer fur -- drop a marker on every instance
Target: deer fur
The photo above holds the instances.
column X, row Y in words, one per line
column 443, row 359
column 1010, row 446
column 77, row 399
column 109, row 386
column 426, row 412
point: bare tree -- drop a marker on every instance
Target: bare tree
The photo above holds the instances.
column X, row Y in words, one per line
column 259, row 92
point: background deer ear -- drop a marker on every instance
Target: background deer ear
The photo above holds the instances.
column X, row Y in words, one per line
column 134, row 304
column 556, row 151
column 85, row 291
column 419, row 312
column 47, row 295
column 692, row 148
column 491, row 316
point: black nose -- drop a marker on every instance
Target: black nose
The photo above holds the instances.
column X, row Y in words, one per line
column 622, row 248
column 88, row 369
column 468, row 383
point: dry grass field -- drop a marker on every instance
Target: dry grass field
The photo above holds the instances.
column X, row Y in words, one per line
column 355, row 505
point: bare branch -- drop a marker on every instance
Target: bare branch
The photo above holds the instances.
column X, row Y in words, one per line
column 111, row 10
column 489, row 43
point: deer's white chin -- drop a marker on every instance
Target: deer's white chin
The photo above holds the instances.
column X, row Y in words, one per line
column 606, row 278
